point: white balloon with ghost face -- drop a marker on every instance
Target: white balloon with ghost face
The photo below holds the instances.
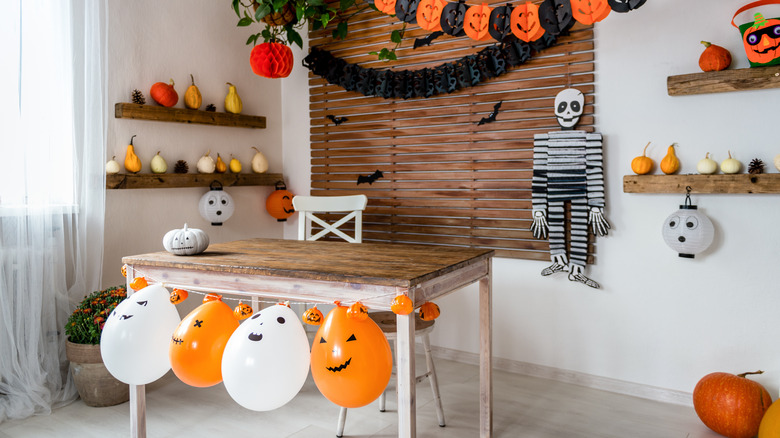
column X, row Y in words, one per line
column 266, row 360
column 136, row 336
column 569, row 105
column 216, row 206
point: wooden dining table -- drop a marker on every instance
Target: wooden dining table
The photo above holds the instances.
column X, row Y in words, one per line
column 327, row 271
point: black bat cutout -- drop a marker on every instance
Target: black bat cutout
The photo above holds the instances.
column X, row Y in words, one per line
column 426, row 41
column 370, row 178
column 336, row 120
column 492, row 116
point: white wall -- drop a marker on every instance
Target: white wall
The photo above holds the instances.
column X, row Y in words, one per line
column 658, row 320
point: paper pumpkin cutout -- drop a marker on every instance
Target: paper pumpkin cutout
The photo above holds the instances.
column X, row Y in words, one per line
column 452, row 18
column 526, row 24
column 406, row 10
column 588, row 12
column 476, row 24
column 762, row 41
column 500, row 27
column 198, row 342
column 351, row 361
column 429, row 14
column 623, row 6
column 386, row 6
column 134, row 342
column 266, row 359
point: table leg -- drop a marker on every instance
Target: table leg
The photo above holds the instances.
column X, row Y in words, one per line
column 138, row 411
column 404, row 350
column 485, row 358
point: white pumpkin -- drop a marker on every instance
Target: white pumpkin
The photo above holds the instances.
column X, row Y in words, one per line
column 185, row 241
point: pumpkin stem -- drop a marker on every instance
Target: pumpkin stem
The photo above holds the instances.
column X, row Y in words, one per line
column 707, row 155
column 192, row 78
column 131, row 139
column 172, row 84
column 729, row 154
column 644, row 151
column 706, row 43
column 754, row 372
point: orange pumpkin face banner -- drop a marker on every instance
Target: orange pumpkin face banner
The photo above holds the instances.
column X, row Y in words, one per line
column 351, row 360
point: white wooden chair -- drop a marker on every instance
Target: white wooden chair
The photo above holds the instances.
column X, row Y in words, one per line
column 353, row 206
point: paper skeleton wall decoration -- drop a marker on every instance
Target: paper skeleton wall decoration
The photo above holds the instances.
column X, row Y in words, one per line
column 568, row 168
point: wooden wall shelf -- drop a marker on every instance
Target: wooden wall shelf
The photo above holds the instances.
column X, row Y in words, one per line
column 181, row 115
column 758, row 78
column 739, row 183
column 171, row 180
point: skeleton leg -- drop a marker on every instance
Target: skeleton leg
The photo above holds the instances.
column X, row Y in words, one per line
column 555, row 219
column 579, row 243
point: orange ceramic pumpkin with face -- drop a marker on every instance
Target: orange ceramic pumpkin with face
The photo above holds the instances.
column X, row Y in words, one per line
column 525, row 22
column 242, row 311
column 762, row 41
column 351, row 360
column 476, row 23
column 198, row 342
column 312, row 316
column 588, row 12
column 429, row 14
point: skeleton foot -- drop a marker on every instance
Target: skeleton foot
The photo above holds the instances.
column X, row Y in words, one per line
column 554, row 268
column 577, row 276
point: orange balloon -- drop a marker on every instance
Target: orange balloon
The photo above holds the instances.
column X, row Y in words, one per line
column 198, row 342
column 351, row 360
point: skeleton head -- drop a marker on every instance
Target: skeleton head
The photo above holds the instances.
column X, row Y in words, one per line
column 568, row 107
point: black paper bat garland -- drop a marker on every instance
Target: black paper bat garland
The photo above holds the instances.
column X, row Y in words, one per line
column 427, row 40
column 492, row 116
column 336, row 120
column 370, row 178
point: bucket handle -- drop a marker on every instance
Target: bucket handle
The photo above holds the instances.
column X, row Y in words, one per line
column 752, row 5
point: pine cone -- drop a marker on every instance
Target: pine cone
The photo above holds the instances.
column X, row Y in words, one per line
column 181, row 167
column 211, row 107
column 138, row 97
column 756, row 166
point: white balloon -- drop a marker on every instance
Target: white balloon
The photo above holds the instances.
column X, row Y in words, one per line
column 137, row 334
column 266, row 360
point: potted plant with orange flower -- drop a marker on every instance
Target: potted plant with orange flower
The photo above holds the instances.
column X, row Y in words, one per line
column 95, row 385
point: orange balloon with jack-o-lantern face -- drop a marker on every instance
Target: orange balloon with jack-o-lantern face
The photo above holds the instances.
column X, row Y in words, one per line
column 351, row 360
column 198, row 342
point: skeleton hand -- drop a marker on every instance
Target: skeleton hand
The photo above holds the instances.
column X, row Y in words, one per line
column 539, row 227
column 598, row 223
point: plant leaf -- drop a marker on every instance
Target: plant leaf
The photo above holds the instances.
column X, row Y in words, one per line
column 325, row 19
column 246, row 21
column 262, row 11
column 395, row 36
column 346, row 4
column 340, row 32
column 279, row 4
column 235, row 7
column 294, row 37
column 252, row 39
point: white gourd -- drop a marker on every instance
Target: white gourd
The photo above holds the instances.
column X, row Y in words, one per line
column 186, row 241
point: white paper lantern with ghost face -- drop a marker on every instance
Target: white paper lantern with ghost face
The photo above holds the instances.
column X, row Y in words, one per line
column 216, row 205
column 688, row 231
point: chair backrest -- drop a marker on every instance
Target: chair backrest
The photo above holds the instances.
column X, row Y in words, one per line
column 308, row 206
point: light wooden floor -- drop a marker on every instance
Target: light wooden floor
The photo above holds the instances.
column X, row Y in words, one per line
column 524, row 407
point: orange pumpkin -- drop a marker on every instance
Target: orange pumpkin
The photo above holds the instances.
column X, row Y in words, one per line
column 402, row 305
column 526, row 25
column 357, row 311
column 588, row 12
column 138, row 283
column 164, row 94
column 279, row 203
column 351, row 360
column 476, row 23
column 429, row 14
column 714, row 58
column 429, row 311
column 386, row 6
column 312, row 316
column 124, row 271
column 242, row 311
column 198, row 342
column 179, row 295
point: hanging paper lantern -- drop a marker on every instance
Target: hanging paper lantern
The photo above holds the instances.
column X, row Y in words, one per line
column 385, row 6
column 351, row 361
column 198, row 343
column 688, row 231
column 526, row 24
column 588, row 12
column 453, row 17
column 134, row 342
column 216, row 205
column 556, row 16
column 266, row 360
column 500, row 27
column 476, row 23
column 406, row 10
column 279, row 203
column 429, row 14
column 271, row 60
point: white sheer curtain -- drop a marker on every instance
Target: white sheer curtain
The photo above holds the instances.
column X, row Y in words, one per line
column 52, row 198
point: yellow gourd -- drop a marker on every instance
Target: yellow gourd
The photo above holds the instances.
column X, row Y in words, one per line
column 192, row 97
column 670, row 163
column 220, row 166
column 642, row 165
column 233, row 101
column 132, row 162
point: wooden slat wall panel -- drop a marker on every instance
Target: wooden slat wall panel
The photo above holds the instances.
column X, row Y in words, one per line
column 446, row 179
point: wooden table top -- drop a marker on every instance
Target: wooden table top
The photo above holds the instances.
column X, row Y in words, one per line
column 390, row 264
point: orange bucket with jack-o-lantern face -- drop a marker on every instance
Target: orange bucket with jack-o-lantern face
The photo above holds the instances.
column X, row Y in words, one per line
column 760, row 37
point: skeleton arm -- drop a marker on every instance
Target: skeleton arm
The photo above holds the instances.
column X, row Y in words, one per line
column 595, row 174
column 539, row 227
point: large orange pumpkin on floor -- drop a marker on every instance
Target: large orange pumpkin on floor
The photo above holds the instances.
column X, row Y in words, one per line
column 731, row 405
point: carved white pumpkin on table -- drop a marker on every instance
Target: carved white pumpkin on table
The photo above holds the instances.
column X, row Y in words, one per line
column 186, row 241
